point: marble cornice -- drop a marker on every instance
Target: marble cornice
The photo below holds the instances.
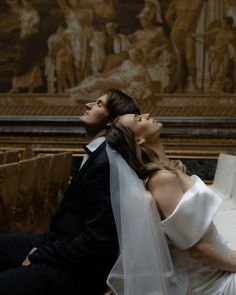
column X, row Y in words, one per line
column 70, row 126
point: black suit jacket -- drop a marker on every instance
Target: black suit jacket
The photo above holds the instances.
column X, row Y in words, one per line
column 82, row 238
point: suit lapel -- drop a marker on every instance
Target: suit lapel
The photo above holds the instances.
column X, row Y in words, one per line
column 90, row 159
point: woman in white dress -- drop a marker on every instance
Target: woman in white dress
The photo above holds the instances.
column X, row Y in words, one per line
column 186, row 206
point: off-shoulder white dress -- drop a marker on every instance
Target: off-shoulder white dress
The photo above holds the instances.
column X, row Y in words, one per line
column 191, row 221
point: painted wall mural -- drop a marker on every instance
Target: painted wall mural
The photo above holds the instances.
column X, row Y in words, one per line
column 144, row 47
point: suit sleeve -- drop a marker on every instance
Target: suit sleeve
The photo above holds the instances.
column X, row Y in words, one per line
column 97, row 239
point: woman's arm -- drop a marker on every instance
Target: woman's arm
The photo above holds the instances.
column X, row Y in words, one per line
column 208, row 255
column 167, row 190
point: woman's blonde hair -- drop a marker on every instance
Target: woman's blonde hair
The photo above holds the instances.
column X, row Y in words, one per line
column 143, row 160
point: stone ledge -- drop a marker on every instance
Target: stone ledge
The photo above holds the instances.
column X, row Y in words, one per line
column 160, row 105
column 70, row 126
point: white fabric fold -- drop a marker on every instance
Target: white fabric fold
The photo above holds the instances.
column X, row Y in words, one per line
column 187, row 224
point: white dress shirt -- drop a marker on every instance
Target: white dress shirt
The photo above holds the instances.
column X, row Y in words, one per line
column 92, row 146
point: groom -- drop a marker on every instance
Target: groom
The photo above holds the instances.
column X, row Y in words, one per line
column 77, row 252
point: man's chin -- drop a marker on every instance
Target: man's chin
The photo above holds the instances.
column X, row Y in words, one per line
column 82, row 119
column 83, row 122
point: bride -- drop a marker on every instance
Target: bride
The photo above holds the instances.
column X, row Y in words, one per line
column 202, row 262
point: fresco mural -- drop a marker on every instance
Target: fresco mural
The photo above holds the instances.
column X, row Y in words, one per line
column 145, row 47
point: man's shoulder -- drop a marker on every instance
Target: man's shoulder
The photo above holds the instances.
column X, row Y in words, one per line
column 101, row 153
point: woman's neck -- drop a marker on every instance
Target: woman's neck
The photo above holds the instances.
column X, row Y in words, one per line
column 158, row 148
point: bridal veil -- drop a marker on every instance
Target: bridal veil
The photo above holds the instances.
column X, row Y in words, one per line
column 144, row 266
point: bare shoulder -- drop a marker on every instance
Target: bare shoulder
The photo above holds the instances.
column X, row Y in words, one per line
column 165, row 177
column 166, row 189
column 162, row 177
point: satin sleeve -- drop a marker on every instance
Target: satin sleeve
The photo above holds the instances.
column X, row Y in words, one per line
column 192, row 216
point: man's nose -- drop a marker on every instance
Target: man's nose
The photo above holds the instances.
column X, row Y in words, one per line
column 89, row 105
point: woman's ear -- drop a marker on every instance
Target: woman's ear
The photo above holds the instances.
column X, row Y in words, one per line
column 140, row 140
column 110, row 123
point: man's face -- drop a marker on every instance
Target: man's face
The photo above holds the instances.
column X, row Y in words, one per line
column 95, row 115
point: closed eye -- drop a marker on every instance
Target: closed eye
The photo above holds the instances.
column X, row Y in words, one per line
column 137, row 118
column 99, row 103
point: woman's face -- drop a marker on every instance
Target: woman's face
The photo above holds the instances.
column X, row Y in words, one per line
column 144, row 126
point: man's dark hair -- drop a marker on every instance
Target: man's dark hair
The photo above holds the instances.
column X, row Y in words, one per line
column 119, row 103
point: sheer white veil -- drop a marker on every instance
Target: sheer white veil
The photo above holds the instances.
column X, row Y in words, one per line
column 144, row 266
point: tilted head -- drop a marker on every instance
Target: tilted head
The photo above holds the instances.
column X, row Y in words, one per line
column 130, row 135
column 122, row 139
column 119, row 103
column 101, row 113
column 145, row 127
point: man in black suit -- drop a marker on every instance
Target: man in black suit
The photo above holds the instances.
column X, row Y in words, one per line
column 77, row 252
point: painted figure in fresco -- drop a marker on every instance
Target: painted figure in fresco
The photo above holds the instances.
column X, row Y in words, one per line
column 106, row 8
column 29, row 23
column 160, row 71
column 86, row 44
column 50, row 64
column 153, row 9
column 59, row 62
column 131, row 76
column 29, row 19
column 182, row 16
column 78, row 21
column 221, row 46
column 97, row 45
column 103, row 11
column 116, row 47
column 150, row 37
column 230, row 9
